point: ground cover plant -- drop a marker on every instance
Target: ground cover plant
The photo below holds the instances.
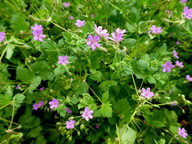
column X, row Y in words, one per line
column 95, row 71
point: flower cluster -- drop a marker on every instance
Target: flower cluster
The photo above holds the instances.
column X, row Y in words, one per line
column 87, row 114
column 36, row 106
column 92, row 41
column 2, row 36
column 38, row 32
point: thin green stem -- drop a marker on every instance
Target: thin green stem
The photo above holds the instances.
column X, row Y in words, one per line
column 3, row 53
column 6, row 105
column 93, row 92
column 25, row 90
column 12, row 116
column 8, row 121
column 132, row 116
column 115, row 6
column 60, row 27
column 186, row 29
column 135, row 85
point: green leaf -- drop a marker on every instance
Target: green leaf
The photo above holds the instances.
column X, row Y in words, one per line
column 29, row 122
column 161, row 141
column 87, row 28
column 106, row 84
column 59, row 70
column 96, row 76
column 130, row 27
column 61, row 110
column 126, row 134
column 18, row 99
column 81, row 89
column 129, row 43
column 74, row 100
column 34, row 84
column 105, row 96
column 73, row 39
column 134, row 15
column 151, row 79
column 142, row 64
column 49, row 44
column 23, row 74
column 152, row 118
column 19, row 23
column 35, row 132
column 106, row 110
column 5, row 99
column 42, row 68
column 9, row 51
column 163, row 50
column 87, row 101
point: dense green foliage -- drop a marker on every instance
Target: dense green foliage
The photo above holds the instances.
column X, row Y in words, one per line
column 108, row 80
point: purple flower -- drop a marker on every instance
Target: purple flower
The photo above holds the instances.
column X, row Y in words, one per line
column 41, row 103
column 183, row 1
column 167, row 66
column 80, row 23
column 17, row 87
column 38, row 105
column 175, row 54
column 71, row 17
column 92, row 15
column 35, row 106
column 97, row 126
column 63, row 60
column 70, row 124
column 188, row 78
column 54, row 103
column 37, row 32
column 120, row 31
column 174, row 102
column 66, row 4
column 178, row 43
column 182, row 133
column 146, row 93
column 93, row 41
column 179, row 64
column 155, row 30
column 187, row 13
column 87, row 114
column 42, row 88
column 68, row 110
column 100, row 31
column 2, row 36
column 116, row 37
